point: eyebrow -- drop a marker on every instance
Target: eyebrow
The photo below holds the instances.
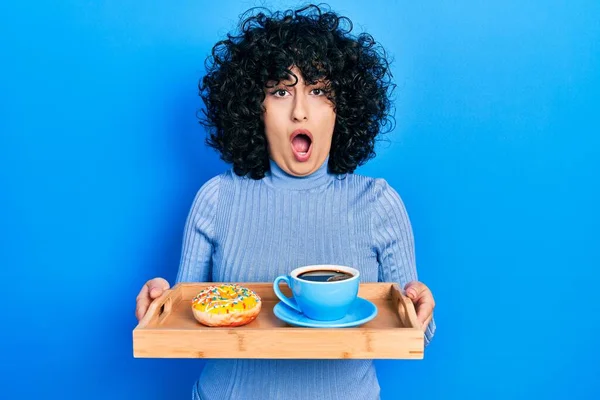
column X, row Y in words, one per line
column 285, row 83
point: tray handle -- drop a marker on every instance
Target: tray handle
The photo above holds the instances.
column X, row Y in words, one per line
column 160, row 308
column 406, row 308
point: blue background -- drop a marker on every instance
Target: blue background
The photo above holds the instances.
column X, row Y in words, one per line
column 495, row 153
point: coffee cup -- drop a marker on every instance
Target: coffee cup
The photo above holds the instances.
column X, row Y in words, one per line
column 321, row 292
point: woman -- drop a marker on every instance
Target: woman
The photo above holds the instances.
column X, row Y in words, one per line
column 295, row 103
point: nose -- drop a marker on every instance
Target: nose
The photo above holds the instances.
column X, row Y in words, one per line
column 300, row 109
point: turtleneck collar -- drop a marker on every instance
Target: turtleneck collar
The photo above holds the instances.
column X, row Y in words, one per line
column 278, row 178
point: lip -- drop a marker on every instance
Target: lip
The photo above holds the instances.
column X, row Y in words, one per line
column 301, row 157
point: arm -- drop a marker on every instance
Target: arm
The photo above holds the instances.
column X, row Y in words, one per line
column 199, row 235
column 394, row 242
column 198, row 240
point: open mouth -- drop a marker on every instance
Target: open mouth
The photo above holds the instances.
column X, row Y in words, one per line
column 301, row 141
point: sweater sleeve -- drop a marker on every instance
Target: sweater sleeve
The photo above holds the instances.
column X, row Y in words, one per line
column 393, row 237
column 199, row 235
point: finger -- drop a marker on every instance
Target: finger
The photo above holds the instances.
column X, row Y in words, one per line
column 425, row 304
column 142, row 300
column 150, row 291
column 414, row 289
column 419, row 292
column 424, row 311
column 143, row 294
column 156, row 287
column 155, row 292
column 141, row 309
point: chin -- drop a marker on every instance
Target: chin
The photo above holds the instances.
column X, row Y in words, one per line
column 300, row 171
column 305, row 168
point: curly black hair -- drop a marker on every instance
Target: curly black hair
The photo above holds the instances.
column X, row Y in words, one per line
column 318, row 42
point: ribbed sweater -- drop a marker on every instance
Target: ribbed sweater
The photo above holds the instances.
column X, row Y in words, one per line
column 245, row 230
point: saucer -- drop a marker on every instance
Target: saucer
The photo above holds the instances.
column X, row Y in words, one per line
column 361, row 312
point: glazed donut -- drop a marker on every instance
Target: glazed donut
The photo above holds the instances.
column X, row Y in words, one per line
column 226, row 305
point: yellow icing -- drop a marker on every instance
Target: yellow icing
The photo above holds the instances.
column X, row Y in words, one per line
column 225, row 299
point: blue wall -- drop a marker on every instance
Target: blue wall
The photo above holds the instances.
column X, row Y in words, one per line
column 495, row 154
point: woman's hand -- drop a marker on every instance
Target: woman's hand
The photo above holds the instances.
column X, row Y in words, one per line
column 422, row 298
column 150, row 291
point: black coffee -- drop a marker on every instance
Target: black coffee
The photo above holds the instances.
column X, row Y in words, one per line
column 325, row 275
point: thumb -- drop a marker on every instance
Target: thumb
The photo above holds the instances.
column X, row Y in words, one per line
column 156, row 287
column 412, row 290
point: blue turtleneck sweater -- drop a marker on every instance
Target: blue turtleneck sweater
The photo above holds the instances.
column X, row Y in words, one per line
column 245, row 230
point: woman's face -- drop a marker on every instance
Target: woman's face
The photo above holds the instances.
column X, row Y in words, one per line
column 299, row 122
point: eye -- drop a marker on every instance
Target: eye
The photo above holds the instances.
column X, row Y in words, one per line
column 318, row 92
column 279, row 93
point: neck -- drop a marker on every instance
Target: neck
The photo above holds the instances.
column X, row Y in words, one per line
column 277, row 177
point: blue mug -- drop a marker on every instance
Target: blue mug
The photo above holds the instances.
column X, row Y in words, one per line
column 321, row 292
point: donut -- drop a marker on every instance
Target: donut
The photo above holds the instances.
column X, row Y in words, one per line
column 226, row 305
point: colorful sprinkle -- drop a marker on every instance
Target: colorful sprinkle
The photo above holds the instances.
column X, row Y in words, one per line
column 229, row 297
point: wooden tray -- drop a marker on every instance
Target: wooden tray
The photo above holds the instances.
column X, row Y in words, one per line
column 169, row 330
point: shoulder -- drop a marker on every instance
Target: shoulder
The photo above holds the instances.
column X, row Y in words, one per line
column 210, row 188
column 207, row 196
column 377, row 189
column 219, row 182
column 379, row 194
column 218, row 186
column 383, row 192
